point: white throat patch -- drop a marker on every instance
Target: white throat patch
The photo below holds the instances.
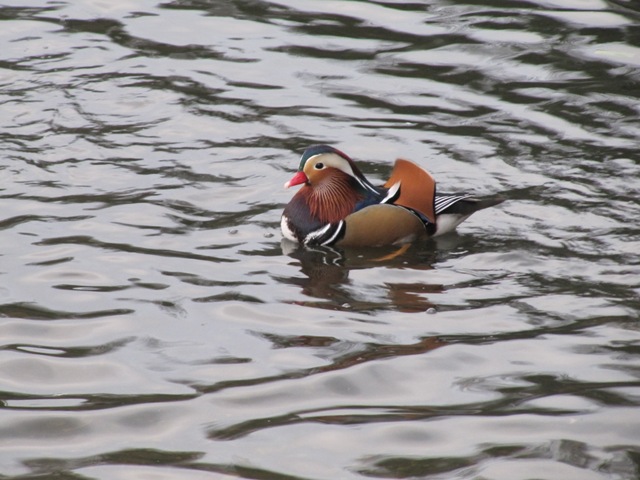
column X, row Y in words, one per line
column 286, row 230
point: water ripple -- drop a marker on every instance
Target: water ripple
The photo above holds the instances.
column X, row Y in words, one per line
column 154, row 321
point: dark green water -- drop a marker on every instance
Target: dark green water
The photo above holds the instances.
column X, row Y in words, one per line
column 154, row 326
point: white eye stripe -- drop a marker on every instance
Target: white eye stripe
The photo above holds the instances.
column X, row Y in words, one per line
column 336, row 161
column 330, row 160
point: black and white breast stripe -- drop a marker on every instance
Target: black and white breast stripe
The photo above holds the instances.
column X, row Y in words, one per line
column 327, row 235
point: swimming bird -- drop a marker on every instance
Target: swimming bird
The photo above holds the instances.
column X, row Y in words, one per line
column 338, row 206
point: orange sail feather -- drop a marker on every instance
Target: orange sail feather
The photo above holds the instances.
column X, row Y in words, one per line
column 417, row 188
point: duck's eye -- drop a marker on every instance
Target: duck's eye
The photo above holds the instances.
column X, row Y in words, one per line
column 319, row 166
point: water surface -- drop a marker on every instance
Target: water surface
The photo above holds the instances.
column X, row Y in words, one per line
column 154, row 324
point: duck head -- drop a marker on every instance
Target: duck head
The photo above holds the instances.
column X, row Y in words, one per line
column 322, row 163
column 332, row 184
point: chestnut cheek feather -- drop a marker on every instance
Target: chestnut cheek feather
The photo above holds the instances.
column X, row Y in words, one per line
column 334, row 199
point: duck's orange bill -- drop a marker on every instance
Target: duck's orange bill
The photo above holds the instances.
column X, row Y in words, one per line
column 297, row 179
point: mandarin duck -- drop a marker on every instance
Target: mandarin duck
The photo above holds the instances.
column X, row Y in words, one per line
column 338, row 206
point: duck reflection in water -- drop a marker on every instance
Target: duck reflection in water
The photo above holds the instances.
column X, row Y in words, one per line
column 326, row 276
